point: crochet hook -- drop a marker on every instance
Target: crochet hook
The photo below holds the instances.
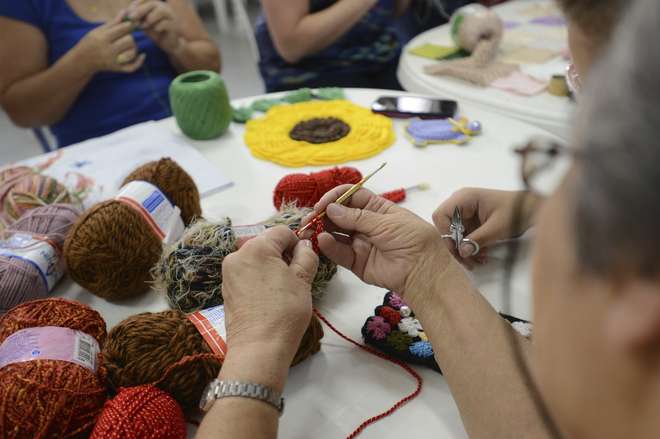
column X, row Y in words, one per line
column 341, row 200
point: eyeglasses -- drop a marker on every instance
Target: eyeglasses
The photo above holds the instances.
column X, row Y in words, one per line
column 544, row 163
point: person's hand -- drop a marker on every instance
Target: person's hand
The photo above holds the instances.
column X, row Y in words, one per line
column 487, row 217
column 111, row 47
column 388, row 246
column 157, row 19
column 267, row 300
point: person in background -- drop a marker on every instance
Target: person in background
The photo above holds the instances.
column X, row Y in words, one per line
column 320, row 43
column 594, row 364
column 86, row 68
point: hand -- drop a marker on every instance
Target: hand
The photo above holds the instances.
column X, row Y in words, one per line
column 156, row 18
column 267, row 300
column 389, row 246
column 111, row 47
column 487, row 217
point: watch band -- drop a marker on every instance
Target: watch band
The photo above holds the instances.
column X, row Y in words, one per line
column 218, row 389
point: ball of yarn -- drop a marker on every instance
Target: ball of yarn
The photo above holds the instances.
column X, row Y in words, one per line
column 190, row 272
column 165, row 349
column 20, row 280
column 473, row 23
column 111, row 248
column 141, row 412
column 50, row 398
column 200, row 104
column 305, row 190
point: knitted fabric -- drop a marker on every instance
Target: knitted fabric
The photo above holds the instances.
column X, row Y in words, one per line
column 305, row 190
column 111, row 248
column 269, row 137
column 143, row 412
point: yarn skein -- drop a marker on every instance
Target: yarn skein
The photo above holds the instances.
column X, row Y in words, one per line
column 50, row 398
column 20, row 280
column 190, row 271
column 111, row 248
column 165, row 349
column 200, row 104
column 305, row 190
column 141, row 412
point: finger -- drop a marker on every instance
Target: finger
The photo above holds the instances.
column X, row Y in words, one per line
column 126, row 56
column 163, row 25
column 352, row 220
column 135, row 65
column 279, row 239
column 120, row 30
column 304, row 262
column 124, row 43
column 339, row 253
column 487, row 234
column 137, row 12
column 157, row 15
column 118, row 18
column 465, row 199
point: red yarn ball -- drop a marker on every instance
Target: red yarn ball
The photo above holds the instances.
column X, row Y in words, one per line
column 142, row 412
column 306, row 190
column 390, row 315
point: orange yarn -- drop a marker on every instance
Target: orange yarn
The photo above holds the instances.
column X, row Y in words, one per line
column 305, row 190
column 143, row 412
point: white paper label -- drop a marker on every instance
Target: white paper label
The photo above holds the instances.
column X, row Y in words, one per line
column 39, row 253
column 210, row 323
column 163, row 217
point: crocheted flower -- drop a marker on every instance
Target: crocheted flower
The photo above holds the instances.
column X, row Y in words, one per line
column 422, row 349
column 378, row 328
column 395, row 301
column 399, row 340
column 391, row 315
column 410, row 326
column 269, row 137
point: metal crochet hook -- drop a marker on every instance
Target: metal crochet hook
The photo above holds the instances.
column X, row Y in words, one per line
column 341, row 200
column 457, row 231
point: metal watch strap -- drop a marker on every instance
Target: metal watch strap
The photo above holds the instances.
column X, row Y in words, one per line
column 226, row 389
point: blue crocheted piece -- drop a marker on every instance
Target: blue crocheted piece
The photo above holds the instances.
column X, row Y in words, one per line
column 422, row 349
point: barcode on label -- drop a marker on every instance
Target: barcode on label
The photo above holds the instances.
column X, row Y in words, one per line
column 86, row 351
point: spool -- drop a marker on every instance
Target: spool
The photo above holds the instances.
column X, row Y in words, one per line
column 305, row 190
column 111, row 248
column 558, row 86
column 473, row 23
column 200, row 104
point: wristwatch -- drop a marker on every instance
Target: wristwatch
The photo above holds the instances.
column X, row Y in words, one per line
column 218, row 389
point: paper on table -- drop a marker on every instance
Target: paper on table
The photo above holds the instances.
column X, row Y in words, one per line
column 97, row 167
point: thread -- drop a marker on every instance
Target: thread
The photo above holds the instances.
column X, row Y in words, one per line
column 166, row 350
column 141, row 412
column 20, row 280
column 305, row 190
column 111, row 248
column 50, row 398
column 200, row 104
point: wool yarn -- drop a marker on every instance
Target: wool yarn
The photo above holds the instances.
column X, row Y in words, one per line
column 190, row 271
column 305, row 190
column 141, row 412
column 165, row 349
column 50, row 398
column 111, row 248
column 20, row 280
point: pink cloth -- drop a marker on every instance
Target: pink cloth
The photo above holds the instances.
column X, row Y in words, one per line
column 520, row 83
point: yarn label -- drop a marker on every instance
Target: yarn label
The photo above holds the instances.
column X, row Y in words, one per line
column 36, row 252
column 162, row 216
column 210, row 323
column 245, row 233
column 50, row 343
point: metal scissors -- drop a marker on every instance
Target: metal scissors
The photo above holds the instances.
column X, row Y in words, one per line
column 457, row 233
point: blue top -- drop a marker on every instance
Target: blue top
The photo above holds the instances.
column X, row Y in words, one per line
column 370, row 46
column 110, row 101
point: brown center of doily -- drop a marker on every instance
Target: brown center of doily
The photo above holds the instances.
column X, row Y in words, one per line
column 320, row 130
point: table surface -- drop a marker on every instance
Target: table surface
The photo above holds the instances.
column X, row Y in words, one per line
column 334, row 391
column 545, row 110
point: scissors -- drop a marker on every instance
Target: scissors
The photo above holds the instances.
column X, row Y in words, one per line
column 457, row 231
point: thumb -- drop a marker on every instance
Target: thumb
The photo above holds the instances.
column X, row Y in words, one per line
column 487, row 234
column 304, row 262
column 349, row 219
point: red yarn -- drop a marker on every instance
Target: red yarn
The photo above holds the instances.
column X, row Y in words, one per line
column 306, row 190
column 142, row 412
column 399, row 363
column 392, row 316
column 397, row 196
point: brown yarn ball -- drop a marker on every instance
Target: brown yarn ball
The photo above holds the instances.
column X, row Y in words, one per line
column 147, row 349
column 111, row 248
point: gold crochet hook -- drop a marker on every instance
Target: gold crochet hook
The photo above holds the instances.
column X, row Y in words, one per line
column 341, row 200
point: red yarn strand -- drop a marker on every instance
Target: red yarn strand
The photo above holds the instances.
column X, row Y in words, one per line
column 399, row 363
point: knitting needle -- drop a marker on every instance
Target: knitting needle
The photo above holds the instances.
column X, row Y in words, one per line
column 341, row 200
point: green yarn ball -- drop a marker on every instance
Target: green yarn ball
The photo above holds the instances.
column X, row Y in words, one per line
column 200, row 104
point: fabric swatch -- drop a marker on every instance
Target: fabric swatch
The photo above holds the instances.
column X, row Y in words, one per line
column 521, row 84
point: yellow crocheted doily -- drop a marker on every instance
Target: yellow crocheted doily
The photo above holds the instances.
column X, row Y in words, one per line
column 268, row 138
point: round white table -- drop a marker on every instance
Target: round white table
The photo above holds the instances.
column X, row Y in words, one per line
column 335, row 390
column 549, row 112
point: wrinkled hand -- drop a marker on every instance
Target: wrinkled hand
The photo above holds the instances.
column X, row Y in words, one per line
column 487, row 217
column 157, row 19
column 388, row 246
column 267, row 299
column 111, row 47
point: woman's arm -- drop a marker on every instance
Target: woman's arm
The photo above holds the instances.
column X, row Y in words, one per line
column 34, row 94
column 297, row 33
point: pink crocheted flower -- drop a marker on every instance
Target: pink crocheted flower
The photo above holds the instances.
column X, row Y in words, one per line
column 396, row 301
column 378, row 328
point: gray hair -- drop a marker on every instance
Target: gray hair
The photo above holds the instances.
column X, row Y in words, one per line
column 618, row 129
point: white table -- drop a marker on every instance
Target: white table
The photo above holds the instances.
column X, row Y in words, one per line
column 334, row 391
column 550, row 112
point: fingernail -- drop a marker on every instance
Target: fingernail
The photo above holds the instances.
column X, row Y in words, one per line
column 335, row 210
column 466, row 250
column 307, row 243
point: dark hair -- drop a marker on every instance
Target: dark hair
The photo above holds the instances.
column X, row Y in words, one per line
column 596, row 17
